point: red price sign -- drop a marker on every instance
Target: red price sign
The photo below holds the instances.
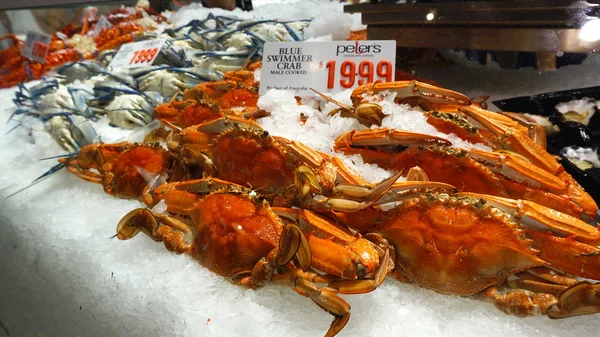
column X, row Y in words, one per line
column 137, row 54
column 366, row 72
column 143, row 55
column 40, row 50
column 36, row 46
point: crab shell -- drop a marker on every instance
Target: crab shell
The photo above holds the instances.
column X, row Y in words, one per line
column 130, row 175
column 226, row 94
column 440, row 163
column 513, row 253
column 501, row 173
column 251, row 156
column 231, row 243
column 125, row 170
column 457, row 245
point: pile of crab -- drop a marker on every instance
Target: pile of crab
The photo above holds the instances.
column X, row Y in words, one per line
column 79, row 93
column 78, row 42
column 507, row 225
column 214, row 44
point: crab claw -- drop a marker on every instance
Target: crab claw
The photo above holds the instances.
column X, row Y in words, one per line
column 366, row 192
column 426, row 94
column 516, row 168
column 516, row 140
column 565, row 241
column 409, row 189
column 135, row 221
column 536, row 216
column 386, row 137
column 352, row 198
column 366, row 113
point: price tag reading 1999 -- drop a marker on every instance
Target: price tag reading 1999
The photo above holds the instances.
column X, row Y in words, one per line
column 137, row 54
column 328, row 67
column 350, row 74
column 143, row 55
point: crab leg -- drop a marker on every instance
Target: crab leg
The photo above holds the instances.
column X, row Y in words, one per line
column 326, row 298
column 383, row 137
column 85, row 174
column 568, row 254
column 546, row 274
column 224, row 123
column 397, row 150
column 367, row 191
column 345, row 174
column 520, row 303
column 188, row 192
column 409, row 189
column 478, row 114
column 527, row 181
column 583, row 298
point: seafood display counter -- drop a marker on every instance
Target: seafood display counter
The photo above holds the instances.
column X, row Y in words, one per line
column 174, row 200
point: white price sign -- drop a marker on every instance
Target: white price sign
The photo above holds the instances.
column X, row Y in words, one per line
column 328, row 67
column 137, row 54
column 36, row 46
column 102, row 24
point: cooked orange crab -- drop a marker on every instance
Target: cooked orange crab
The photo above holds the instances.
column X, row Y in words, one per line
column 285, row 171
column 515, row 254
column 225, row 94
column 235, row 233
column 126, row 170
column 503, row 174
column 342, row 255
column 192, row 112
column 448, row 111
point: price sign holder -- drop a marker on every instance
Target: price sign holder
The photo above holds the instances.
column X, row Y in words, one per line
column 36, row 46
column 137, row 54
column 328, row 67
